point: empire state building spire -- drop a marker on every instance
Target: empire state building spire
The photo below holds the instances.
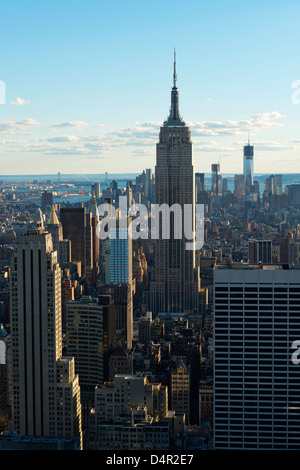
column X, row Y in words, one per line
column 174, row 118
column 174, row 74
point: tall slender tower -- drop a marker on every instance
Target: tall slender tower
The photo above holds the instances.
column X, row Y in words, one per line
column 248, row 167
column 46, row 393
column 176, row 278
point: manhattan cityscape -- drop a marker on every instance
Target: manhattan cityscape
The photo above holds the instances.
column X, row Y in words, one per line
column 150, row 264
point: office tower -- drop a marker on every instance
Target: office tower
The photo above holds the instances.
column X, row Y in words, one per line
column 256, row 189
column 278, row 184
column 216, row 180
column 139, row 268
column 90, row 339
column 200, row 181
column 118, row 279
column 95, row 190
column 248, row 167
column 260, row 251
column 73, row 220
column 289, row 250
column 180, row 389
column 269, row 184
column 273, row 185
column 206, row 406
column 45, row 388
column 92, row 247
column 46, row 199
column 128, row 194
column 144, row 328
column 293, row 192
column 115, row 190
column 176, row 281
column 67, row 294
column 141, row 180
column 119, row 266
column 148, row 184
column 96, row 243
column 199, row 186
column 239, row 186
column 224, row 185
column 122, row 297
column 256, row 384
column 118, row 253
column 63, row 247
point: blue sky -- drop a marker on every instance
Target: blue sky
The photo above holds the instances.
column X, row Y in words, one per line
column 88, row 83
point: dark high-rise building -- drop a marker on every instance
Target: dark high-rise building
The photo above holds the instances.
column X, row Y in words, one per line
column 293, row 191
column 73, row 220
column 239, row 186
column 148, row 184
column 216, row 179
column 225, row 185
column 46, row 199
column 90, row 339
column 248, row 167
column 176, row 278
column 122, row 297
column 289, row 250
column 260, row 251
column 200, row 184
column 92, row 246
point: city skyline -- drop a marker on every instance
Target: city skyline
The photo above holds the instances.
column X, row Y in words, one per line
column 93, row 96
column 149, row 228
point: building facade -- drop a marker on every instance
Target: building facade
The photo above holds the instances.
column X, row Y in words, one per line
column 256, row 384
column 176, row 278
column 45, row 388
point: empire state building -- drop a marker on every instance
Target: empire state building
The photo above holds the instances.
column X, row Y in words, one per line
column 176, row 282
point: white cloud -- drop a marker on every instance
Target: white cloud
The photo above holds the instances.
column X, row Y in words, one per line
column 19, row 102
column 10, row 126
column 63, row 138
column 253, row 124
column 72, row 124
column 138, row 139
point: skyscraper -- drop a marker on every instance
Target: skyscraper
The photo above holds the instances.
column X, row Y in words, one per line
column 239, row 186
column 92, row 246
column 73, row 220
column 180, row 389
column 45, row 389
column 118, row 279
column 256, row 383
column 95, row 190
column 176, row 278
column 63, row 247
column 90, row 339
column 46, row 199
column 260, row 251
column 200, row 181
column 248, row 167
column 216, row 179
